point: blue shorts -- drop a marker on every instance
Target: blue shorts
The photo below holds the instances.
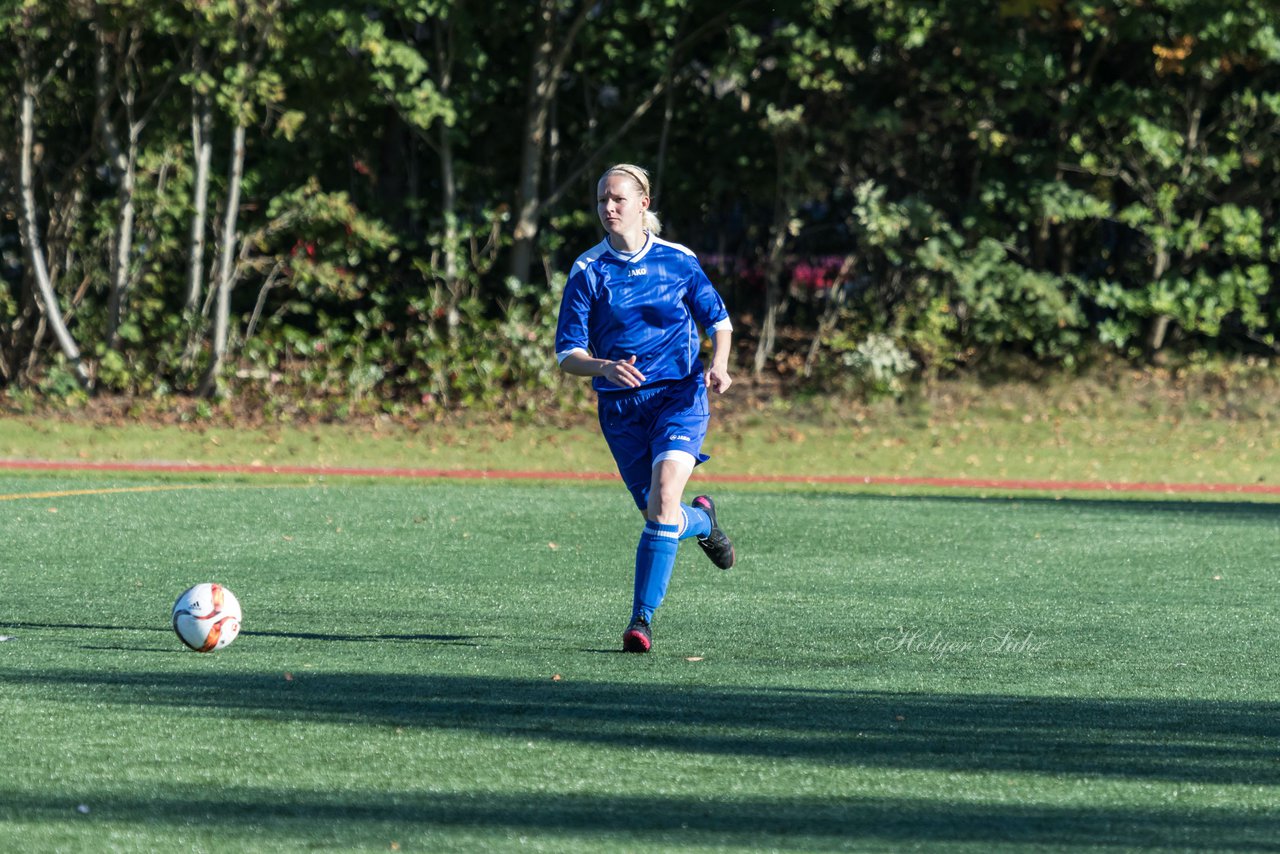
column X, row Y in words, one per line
column 641, row 425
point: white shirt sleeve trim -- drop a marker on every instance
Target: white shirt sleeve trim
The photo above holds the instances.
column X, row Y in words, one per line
column 560, row 357
column 716, row 327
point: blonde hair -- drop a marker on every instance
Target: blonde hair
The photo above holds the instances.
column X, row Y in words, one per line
column 640, row 176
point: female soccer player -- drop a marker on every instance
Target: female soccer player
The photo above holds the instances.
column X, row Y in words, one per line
column 628, row 319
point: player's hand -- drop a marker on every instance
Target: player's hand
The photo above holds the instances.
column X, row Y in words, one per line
column 718, row 379
column 624, row 374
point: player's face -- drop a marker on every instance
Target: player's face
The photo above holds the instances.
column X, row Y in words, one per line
column 620, row 205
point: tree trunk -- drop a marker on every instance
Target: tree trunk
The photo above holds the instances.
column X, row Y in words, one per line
column 226, row 267
column 124, row 244
column 31, row 235
column 772, row 297
column 665, row 84
column 452, row 279
column 660, row 170
column 122, row 164
column 1158, row 327
column 202, row 145
column 782, row 214
column 448, row 183
column 836, row 296
column 1157, row 330
column 544, row 80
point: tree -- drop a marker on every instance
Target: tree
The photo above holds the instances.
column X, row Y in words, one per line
column 28, row 29
column 247, row 86
column 1176, row 139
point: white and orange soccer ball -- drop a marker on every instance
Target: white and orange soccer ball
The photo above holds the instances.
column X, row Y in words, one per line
column 207, row 617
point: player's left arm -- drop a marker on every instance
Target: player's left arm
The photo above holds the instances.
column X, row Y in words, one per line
column 718, row 379
column 710, row 312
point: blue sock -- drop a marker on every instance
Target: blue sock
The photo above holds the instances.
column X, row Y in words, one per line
column 655, row 558
column 696, row 522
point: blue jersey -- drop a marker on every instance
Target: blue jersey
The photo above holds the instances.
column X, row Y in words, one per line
column 646, row 305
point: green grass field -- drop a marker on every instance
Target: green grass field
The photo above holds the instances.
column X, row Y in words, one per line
column 1190, row 429
column 431, row 666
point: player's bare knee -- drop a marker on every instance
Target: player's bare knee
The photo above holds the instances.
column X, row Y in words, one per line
column 664, row 511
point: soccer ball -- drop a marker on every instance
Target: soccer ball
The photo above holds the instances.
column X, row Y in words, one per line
column 207, row 617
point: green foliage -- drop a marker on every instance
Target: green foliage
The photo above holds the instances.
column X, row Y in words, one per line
column 876, row 365
column 957, row 299
column 1002, row 305
column 1036, row 179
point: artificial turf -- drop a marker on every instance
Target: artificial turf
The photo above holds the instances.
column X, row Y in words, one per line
column 433, row 666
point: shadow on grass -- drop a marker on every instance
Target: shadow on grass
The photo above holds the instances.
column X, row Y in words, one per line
column 796, row 823
column 1242, row 510
column 1192, row 741
column 1163, row 741
column 22, row 624
column 463, row 640
column 460, row 640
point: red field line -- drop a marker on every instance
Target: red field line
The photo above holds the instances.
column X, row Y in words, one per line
column 507, row 474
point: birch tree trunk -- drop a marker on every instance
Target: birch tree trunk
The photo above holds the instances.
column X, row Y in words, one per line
column 202, row 145
column 448, row 179
column 31, row 235
column 1158, row 327
column 124, row 244
column 226, row 267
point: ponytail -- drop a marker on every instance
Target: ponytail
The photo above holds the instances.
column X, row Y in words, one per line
column 652, row 224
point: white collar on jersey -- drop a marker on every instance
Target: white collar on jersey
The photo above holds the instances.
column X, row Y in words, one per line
column 631, row 257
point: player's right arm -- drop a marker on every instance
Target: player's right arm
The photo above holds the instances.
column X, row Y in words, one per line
column 573, row 340
column 583, row 364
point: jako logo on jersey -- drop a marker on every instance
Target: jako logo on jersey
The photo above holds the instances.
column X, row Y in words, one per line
column 676, row 437
column 638, row 271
